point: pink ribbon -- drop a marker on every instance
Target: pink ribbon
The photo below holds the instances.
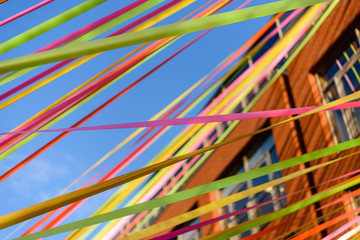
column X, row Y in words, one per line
column 26, row 11
column 341, row 229
column 194, row 120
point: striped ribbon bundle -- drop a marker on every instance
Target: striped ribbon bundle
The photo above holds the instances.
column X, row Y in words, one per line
column 145, row 37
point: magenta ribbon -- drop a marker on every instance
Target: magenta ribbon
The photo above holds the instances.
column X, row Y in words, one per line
column 64, row 40
column 91, row 26
column 194, row 120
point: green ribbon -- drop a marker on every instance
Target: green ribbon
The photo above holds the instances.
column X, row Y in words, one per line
column 92, row 34
column 48, row 25
column 292, row 208
column 196, row 191
column 152, row 34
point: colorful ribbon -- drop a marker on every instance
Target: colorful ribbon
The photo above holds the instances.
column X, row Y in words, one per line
column 152, row 34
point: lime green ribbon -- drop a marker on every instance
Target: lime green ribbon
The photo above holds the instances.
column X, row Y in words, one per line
column 48, row 25
column 226, row 234
column 193, row 192
column 92, row 34
column 152, row 34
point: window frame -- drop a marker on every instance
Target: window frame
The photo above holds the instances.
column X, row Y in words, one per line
column 351, row 125
column 275, row 192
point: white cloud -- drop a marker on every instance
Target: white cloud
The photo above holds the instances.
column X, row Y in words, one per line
column 39, row 180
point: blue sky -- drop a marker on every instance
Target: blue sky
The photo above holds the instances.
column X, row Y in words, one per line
column 48, row 174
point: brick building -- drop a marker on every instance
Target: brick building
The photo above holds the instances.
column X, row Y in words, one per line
column 327, row 68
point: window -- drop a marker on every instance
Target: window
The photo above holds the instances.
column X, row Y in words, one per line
column 341, row 79
column 262, row 153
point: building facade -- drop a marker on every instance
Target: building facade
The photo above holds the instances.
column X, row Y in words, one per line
column 326, row 69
